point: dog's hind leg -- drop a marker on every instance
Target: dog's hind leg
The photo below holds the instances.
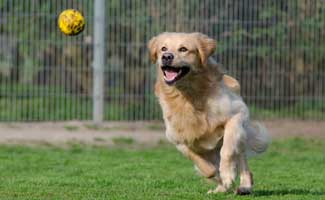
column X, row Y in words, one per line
column 206, row 168
column 246, row 177
column 212, row 157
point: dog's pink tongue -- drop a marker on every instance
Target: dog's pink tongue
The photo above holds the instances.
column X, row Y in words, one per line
column 170, row 75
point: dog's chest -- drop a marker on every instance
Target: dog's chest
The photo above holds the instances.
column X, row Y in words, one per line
column 200, row 130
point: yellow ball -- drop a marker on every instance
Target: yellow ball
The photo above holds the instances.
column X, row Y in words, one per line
column 71, row 22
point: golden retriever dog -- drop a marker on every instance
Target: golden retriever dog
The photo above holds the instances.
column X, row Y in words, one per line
column 204, row 114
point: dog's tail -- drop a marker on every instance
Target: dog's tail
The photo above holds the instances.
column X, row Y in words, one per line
column 258, row 138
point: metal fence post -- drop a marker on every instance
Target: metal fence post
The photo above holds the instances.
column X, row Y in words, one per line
column 99, row 61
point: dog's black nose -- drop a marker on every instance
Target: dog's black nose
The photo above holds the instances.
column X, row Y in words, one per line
column 167, row 58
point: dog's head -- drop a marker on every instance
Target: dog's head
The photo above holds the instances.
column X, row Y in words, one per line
column 180, row 55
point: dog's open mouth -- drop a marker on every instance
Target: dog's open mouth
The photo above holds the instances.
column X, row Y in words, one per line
column 173, row 74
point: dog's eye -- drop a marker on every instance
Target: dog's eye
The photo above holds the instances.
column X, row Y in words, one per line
column 163, row 49
column 182, row 49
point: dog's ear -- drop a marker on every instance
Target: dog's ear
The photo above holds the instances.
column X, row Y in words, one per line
column 152, row 46
column 206, row 47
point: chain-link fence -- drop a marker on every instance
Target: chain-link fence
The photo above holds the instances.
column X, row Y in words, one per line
column 275, row 48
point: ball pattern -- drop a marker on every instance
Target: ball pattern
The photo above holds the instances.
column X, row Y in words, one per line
column 71, row 22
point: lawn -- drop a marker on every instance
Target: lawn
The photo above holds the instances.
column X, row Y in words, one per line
column 28, row 102
column 291, row 169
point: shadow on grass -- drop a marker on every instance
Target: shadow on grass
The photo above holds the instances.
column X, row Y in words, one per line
column 287, row 192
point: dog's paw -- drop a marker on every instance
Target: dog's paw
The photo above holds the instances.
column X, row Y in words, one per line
column 208, row 172
column 219, row 189
column 212, row 191
column 243, row 191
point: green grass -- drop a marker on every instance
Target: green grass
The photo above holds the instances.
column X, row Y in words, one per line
column 92, row 126
column 71, row 128
column 27, row 102
column 123, row 140
column 291, row 169
column 301, row 110
column 72, row 107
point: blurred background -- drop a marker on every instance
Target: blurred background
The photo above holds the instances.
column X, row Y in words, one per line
column 275, row 48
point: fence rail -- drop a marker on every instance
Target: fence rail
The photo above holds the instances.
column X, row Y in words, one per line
column 275, row 48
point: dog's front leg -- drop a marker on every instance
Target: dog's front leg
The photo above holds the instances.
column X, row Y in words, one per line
column 233, row 145
column 207, row 169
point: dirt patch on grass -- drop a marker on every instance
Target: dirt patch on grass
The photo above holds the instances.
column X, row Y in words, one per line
column 59, row 133
column 296, row 128
column 113, row 133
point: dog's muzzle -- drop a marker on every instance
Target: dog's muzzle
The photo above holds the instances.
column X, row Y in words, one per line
column 173, row 74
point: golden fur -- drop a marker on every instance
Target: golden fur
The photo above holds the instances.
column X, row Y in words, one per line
column 204, row 114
